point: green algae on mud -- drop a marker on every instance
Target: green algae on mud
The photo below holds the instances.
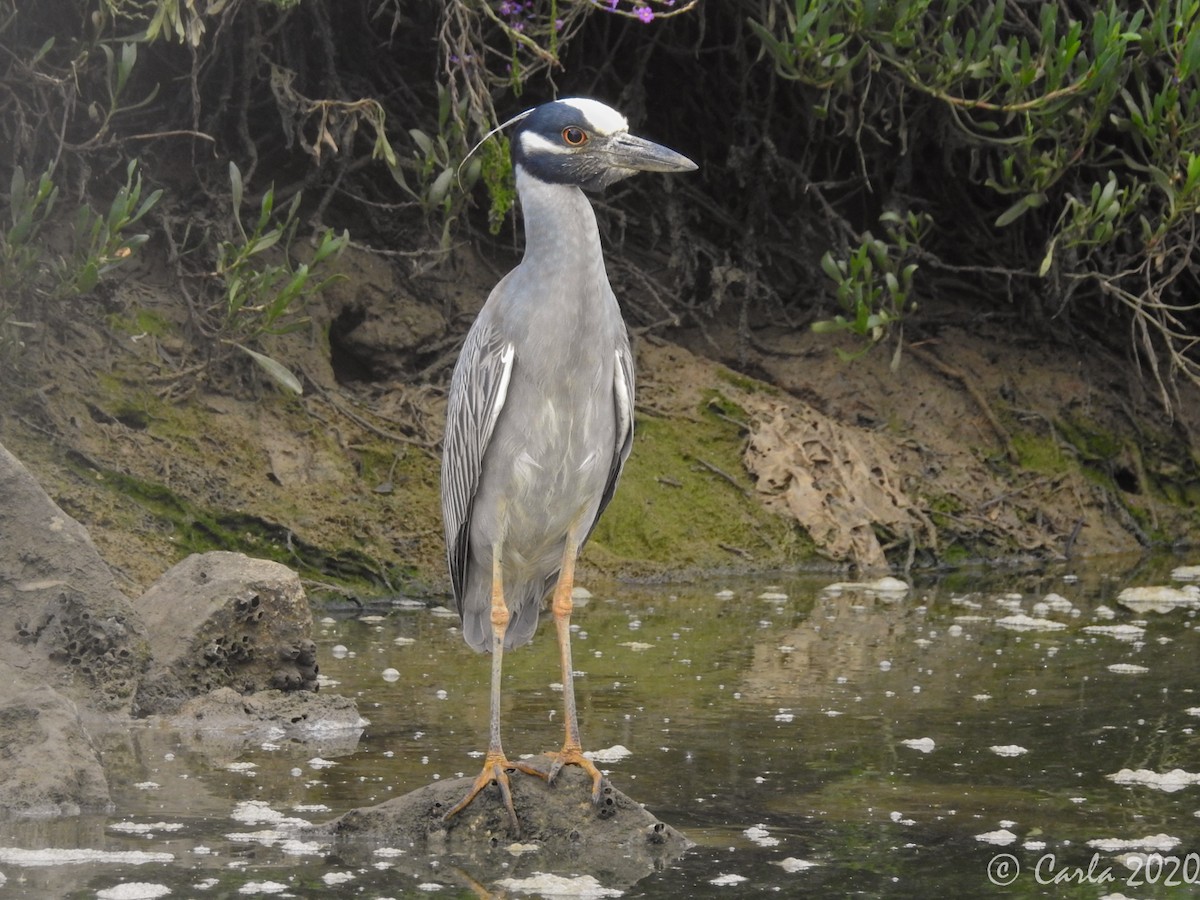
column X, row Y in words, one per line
column 197, row 529
column 686, row 502
column 280, row 477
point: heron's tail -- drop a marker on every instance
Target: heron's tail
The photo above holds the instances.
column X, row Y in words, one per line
column 524, row 621
column 524, row 605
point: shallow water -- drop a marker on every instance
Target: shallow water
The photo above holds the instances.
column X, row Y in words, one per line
column 809, row 741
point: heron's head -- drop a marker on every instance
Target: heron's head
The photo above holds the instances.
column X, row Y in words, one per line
column 585, row 143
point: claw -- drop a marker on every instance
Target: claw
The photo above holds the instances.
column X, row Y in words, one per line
column 495, row 771
column 575, row 757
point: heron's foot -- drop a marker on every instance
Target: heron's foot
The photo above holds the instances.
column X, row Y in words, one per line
column 496, row 769
column 573, row 756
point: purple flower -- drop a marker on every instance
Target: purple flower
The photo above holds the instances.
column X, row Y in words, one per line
column 645, row 14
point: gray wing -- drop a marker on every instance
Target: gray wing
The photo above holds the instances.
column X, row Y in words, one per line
column 623, row 388
column 477, row 392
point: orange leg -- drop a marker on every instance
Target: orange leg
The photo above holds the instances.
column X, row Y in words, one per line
column 496, row 766
column 571, row 753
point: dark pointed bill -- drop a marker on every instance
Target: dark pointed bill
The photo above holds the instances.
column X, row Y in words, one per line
column 631, row 152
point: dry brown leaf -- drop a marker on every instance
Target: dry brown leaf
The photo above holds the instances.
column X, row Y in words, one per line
column 838, row 482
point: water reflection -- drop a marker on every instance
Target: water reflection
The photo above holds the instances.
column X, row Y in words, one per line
column 809, row 741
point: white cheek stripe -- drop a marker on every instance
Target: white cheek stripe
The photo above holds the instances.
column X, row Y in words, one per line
column 534, row 144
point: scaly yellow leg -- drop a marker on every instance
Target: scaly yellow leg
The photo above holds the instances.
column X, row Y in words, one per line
column 571, row 753
column 495, row 765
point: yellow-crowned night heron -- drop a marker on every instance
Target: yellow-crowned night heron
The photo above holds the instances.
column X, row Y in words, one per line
column 540, row 415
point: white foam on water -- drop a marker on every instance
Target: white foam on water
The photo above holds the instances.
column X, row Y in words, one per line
column 1001, row 838
column 1162, row 843
column 1174, row 780
column 1022, row 622
column 133, row 890
column 51, row 856
column 1008, row 750
column 585, row 887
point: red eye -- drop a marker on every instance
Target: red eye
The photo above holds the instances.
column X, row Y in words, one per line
column 574, row 136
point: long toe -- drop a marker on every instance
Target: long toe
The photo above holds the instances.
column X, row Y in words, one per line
column 496, row 769
column 573, row 756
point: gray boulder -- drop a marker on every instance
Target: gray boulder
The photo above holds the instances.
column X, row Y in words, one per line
column 77, row 657
column 63, row 622
column 48, row 766
column 225, row 620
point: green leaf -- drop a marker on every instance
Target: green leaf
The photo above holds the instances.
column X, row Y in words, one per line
column 331, row 245
column 422, row 140
column 1107, row 194
column 235, row 184
column 265, row 208
column 1048, row 259
column 235, row 193
column 1018, row 209
column 471, row 174
column 146, row 206
column 383, row 149
column 88, row 277
column 234, row 294
column 266, row 242
column 17, row 187
column 441, row 186
column 125, row 67
column 42, row 51
column 278, row 372
column 830, row 267
column 828, row 326
column 290, row 292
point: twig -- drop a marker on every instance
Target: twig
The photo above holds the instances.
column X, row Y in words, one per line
column 739, row 551
column 721, row 472
column 427, row 446
column 1069, row 547
column 310, row 584
column 715, row 410
column 1007, row 495
column 155, row 135
column 167, row 377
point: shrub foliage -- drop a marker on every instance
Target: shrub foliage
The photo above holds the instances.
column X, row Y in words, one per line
column 1069, row 133
column 860, row 159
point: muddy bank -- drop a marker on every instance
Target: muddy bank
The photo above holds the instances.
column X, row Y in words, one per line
column 753, row 451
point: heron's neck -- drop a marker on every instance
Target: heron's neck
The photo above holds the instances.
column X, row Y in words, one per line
column 560, row 226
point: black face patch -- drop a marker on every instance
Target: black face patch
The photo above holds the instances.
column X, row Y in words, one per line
column 581, row 165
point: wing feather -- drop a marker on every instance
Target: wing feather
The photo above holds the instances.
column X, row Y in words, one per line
column 623, row 392
column 478, row 390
